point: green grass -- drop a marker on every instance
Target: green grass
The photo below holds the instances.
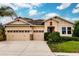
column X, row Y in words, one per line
column 69, row 46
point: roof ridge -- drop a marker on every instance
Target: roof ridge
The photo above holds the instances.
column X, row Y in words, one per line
column 63, row 19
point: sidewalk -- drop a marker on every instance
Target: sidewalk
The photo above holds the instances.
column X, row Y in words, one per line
column 65, row 54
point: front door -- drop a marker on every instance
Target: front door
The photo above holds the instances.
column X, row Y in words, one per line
column 50, row 29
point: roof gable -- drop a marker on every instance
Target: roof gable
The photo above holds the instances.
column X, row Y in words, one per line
column 18, row 21
column 56, row 17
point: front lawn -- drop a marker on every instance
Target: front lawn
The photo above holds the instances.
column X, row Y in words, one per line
column 69, row 46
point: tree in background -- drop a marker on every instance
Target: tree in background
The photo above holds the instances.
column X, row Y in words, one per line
column 7, row 11
column 76, row 29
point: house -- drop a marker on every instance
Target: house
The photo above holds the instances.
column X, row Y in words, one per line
column 28, row 29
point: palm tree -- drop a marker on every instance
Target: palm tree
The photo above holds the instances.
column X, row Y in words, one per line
column 7, row 11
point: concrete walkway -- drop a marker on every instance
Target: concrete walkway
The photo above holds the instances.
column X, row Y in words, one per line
column 24, row 48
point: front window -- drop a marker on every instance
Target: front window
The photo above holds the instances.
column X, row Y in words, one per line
column 69, row 30
column 63, row 30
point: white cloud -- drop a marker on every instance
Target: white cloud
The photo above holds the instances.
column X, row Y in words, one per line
column 12, row 6
column 36, row 4
column 5, row 20
column 63, row 6
column 49, row 15
column 22, row 5
column 76, row 9
column 32, row 12
column 16, row 6
column 75, row 18
column 71, row 19
column 28, row 5
column 77, row 5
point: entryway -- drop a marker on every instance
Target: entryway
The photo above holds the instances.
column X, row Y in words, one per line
column 50, row 28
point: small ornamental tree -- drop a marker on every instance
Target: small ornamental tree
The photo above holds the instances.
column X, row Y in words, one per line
column 76, row 29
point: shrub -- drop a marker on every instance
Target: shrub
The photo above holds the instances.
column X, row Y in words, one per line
column 2, row 33
column 46, row 36
column 54, row 37
column 76, row 29
column 2, row 37
column 65, row 38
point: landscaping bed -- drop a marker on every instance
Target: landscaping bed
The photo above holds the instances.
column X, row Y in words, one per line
column 69, row 46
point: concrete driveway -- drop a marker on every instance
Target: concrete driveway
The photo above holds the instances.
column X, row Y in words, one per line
column 24, row 48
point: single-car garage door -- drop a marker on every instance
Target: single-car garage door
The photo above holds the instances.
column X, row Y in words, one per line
column 38, row 35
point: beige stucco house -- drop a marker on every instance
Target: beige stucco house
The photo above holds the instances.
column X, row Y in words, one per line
column 28, row 29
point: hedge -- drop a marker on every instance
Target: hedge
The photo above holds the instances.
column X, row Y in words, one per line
column 65, row 38
column 55, row 37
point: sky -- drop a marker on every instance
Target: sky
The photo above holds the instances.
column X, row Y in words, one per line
column 68, row 11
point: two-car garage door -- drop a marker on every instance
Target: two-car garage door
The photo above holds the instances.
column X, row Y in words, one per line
column 17, row 35
column 24, row 35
